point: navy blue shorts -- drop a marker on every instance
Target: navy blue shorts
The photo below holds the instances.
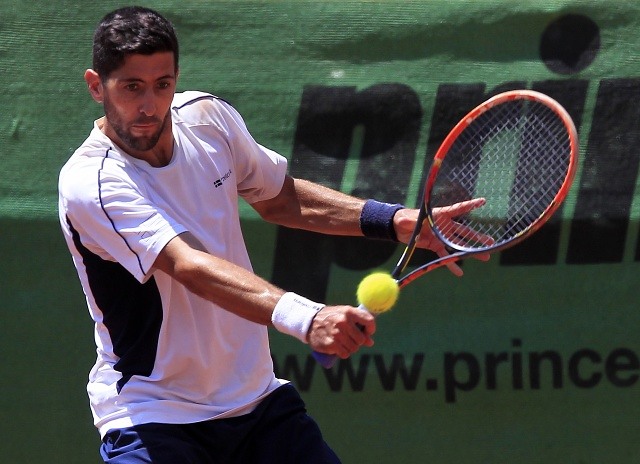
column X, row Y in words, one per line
column 277, row 431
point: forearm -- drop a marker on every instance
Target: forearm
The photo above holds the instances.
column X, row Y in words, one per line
column 234, row 288
column 219, row 281
column 225, row 284
column 305, row 205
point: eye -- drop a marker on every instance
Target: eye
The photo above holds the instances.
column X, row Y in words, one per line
column 132, row 87
column 164, row 85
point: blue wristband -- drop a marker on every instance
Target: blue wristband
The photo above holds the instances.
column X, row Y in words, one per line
column 376, row 220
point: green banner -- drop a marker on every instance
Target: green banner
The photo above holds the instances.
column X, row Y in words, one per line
column 532, row 357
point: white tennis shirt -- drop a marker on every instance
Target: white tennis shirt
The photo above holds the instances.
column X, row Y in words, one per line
column 164, row 354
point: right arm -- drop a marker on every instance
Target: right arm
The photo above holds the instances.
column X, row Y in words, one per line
column 334, row 329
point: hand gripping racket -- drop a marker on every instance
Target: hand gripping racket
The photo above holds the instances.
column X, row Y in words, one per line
column 518, row 150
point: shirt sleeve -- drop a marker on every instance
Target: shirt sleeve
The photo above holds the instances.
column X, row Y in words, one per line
column 113, row 218
column 260, row 171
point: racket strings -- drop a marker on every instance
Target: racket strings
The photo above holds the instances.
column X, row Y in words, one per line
column 516, row 156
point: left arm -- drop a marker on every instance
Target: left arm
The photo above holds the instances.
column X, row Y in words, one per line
column 305, row 205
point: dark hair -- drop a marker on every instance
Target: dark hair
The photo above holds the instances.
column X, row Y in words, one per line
column 128, row 31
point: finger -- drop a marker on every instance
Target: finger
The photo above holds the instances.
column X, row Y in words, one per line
column 349, row 342
column 342, row 351
column 458, row 209
column 455, row 269
column 467, row 236
column 453, row 265
column 364, row 337
column 461, row 234
column 362, row 329
column 365, row 322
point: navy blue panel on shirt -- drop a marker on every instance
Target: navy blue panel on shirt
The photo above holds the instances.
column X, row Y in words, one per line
column 132, row 312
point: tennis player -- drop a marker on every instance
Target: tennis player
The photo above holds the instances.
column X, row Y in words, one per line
column 149, row 209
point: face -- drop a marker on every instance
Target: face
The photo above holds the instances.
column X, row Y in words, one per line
column 136, row 99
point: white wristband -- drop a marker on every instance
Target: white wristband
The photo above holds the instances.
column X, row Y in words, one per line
column 293, row 315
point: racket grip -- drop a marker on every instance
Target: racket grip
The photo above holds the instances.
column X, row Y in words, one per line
column 325, row 360
column 328, row 360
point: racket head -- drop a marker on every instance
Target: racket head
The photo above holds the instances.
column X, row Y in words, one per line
column 518, row 150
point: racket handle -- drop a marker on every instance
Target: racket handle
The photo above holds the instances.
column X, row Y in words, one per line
column 328, row 360
column 325, row 360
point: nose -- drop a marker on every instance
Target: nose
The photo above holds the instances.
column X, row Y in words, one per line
column 148, row 104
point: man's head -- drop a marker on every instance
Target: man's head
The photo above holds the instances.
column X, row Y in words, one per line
column 134, row 77
column 131, row 30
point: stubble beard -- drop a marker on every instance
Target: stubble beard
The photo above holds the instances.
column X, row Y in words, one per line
column 130, row 141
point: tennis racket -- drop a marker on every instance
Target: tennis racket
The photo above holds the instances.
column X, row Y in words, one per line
column 519, row 151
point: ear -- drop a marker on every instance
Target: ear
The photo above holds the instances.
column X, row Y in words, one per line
column 94, row 83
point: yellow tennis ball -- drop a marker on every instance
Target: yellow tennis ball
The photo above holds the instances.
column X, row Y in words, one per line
column 378, row 292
